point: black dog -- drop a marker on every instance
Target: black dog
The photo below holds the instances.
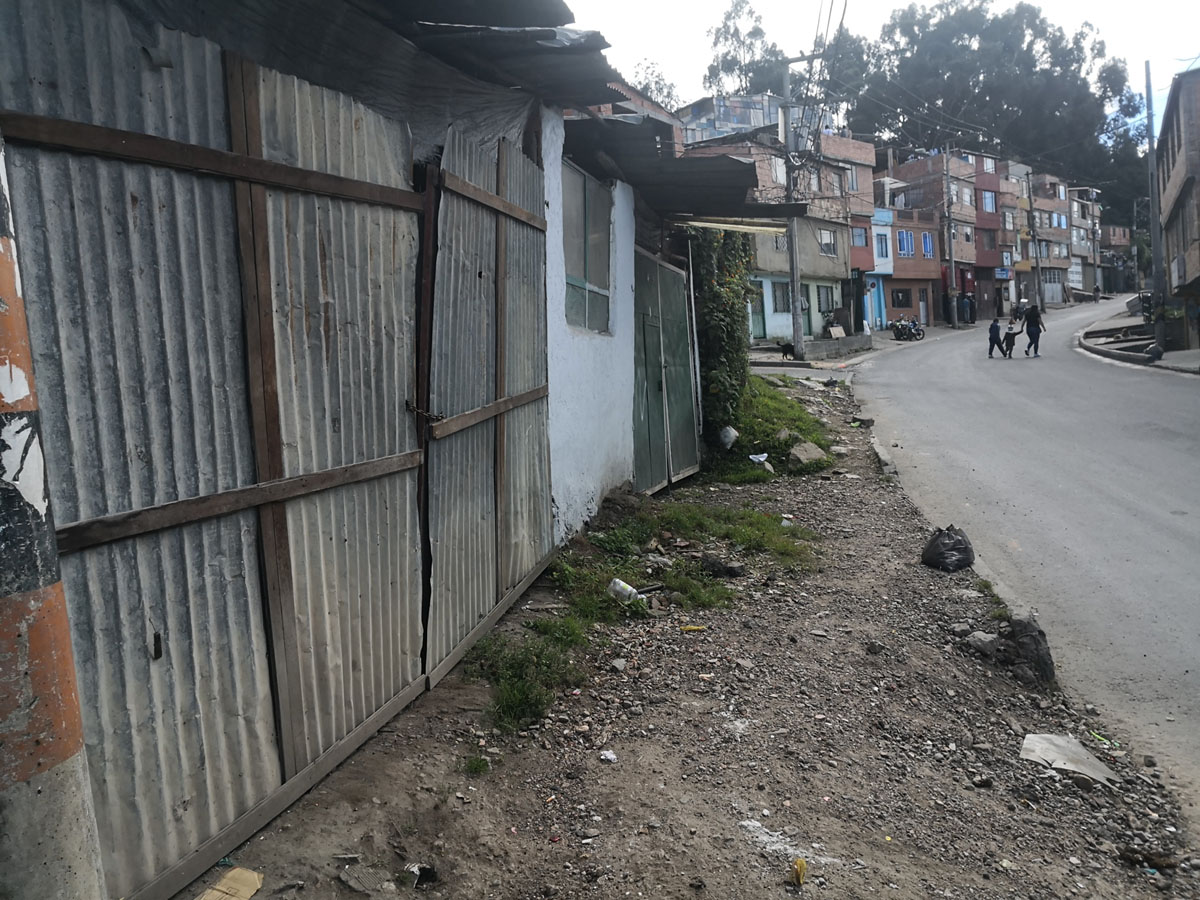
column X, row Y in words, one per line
column 788, row 350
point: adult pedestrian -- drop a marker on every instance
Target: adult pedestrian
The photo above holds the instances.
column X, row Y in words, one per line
column 994, row 338
column 1034, row 326
column 1096, row 294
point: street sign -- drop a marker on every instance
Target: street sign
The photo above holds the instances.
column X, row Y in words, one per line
column 1004, row 274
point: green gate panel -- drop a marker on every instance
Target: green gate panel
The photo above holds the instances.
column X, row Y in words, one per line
column 682, row 444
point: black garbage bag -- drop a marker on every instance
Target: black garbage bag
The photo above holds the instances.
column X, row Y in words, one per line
column 949, row 550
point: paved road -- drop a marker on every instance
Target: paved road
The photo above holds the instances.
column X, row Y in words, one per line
column 1078, row 482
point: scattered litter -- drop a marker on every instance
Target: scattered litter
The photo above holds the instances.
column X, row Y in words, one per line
column 785, row 522
column 817, row 632
column 759, row 458
column 422, row 874
column 728, row 435
column 348, row 857
column 289, row 886
column 949, row 550
column 1107, row 742
column 1061, row 751
column 608, row 756
column 688, row 629
column 774, row 842
column 705, row 676
column 622, row 591
column 799, row 870
column 236, row 884
column 463, row 797
column 364, row 879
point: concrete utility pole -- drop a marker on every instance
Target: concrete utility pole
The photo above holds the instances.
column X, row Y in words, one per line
column 49, row 847
column 953, row 281
column 799, row 304
column 1159, row 295
column 1037, row 250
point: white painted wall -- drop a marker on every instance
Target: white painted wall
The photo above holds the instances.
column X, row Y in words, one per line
column 591, row 375
column 779, row 324
column 884, row 266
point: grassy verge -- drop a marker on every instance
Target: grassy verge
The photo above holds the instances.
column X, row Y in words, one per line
column 764, row 412
column 528, row 672
column 999, row 610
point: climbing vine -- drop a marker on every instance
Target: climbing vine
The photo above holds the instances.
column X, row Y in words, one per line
column 721, row 262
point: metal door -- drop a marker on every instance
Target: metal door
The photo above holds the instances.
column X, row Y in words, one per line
column 683, row 446
column 758, row 313
column 649, row 426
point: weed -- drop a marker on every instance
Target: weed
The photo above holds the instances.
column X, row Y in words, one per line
column 763, row 414
column 476, row 765
column 1000, row 613
column 525, row 676
column 564, row 632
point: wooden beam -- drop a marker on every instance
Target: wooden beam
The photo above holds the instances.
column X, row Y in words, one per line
column 455, row 424
column 130, row 146
column 459, row 185
column 78, row 536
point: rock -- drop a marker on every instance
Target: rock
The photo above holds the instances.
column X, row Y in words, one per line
column 782, row 434
column 744, row 663
column 658, row 561
column 697, row 883
column 960, row 629
column 839, row 450
column 982, row 642
column 1033, row 647
column 1024, row 674
column 618, row 664
column 1090, row 709
column 875, row 648
column 982, row 781
column 773, row 381
column 862, row 422
column 608, row 756
column 727, row 436
column 714, row 565
column 770, row 468
column 1082, row 782
column 588, row 832
column 1149, row 762
column 805, row 452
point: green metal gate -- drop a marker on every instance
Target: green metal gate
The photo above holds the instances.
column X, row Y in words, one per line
column 665, row 416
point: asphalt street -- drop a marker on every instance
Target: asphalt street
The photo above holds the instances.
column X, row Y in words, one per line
column 1078, row 481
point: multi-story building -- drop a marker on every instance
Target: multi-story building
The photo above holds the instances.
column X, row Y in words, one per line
column 915, row 285
column 1051, row 250
column 989, row 252
column 876, row 238
column 1085, row 238
column 1178, row 152
column 850, row 164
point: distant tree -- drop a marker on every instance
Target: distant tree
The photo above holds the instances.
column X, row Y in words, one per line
column 649, row 79
column 744, row 61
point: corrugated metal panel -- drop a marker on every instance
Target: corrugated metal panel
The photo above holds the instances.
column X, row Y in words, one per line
column 683, row 441
column 343, row 276
column 526, row 534
column 132, row 287
column 84, row 60
column 462, row 508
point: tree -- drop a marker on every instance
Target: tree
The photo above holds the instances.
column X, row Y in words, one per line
column 1011, row 84
column 649, row 79
column 744, row 61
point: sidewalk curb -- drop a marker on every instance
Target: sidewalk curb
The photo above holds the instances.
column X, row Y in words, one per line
column 1137, row 359
column 885, row 458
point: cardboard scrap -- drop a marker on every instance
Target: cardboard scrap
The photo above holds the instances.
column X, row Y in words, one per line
column 237, row 884
column 1061, row 751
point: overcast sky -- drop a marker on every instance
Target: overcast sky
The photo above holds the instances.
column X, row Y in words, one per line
column 674, row 32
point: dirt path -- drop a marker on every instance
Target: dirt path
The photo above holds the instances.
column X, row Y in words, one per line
column 829, row 716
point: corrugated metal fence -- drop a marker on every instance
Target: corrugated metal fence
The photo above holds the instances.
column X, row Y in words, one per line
column 251, row 407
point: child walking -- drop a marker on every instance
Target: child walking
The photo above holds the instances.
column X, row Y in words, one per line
column 994, row 338
column 1010, row 338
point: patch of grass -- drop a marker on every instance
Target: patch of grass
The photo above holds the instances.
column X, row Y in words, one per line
column 752, row 530
column 476, row 766
column 999, row 611
column 564, row 632
column 764, row 412
column 525, row 676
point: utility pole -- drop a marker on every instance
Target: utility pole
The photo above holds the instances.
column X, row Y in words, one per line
column 1037, row 250
column 1137, row 274
column 799, row 304
column 950, row 241
column 49, row 843
column 1159, row 295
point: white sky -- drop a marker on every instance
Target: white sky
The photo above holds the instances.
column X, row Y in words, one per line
column 674, row 32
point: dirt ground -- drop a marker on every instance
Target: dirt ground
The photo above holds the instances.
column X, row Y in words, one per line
column 833, row 717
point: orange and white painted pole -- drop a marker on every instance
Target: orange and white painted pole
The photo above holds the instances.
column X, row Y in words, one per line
column 48, row 841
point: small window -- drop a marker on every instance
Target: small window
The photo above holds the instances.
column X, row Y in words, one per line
column 814, row 181
column 954, row 192
column 828, row 241
column 587, row 215
column 858, row 236
column 824, row 298
column 1060, row 191
column 1008, row 221
column 781, row 296
column 966, row 234
column 905, row 244
column 852, row 178
column 838, row 184
column 989, row 201
column 927, row 244
column 989, row 164
column 781, row 243
column 881, row 246
column 968, row 196
column 902, row 298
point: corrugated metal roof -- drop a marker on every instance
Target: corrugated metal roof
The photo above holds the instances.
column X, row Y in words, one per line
column 343, row 276
column 526, row 530
column 470, row 12
column 132, row 288
column 462, row 507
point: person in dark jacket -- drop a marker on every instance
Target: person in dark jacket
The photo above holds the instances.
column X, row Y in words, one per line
column 994, row 338
column 1034, row 326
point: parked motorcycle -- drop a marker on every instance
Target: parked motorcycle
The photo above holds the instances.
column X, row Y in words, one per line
column 907, row 330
